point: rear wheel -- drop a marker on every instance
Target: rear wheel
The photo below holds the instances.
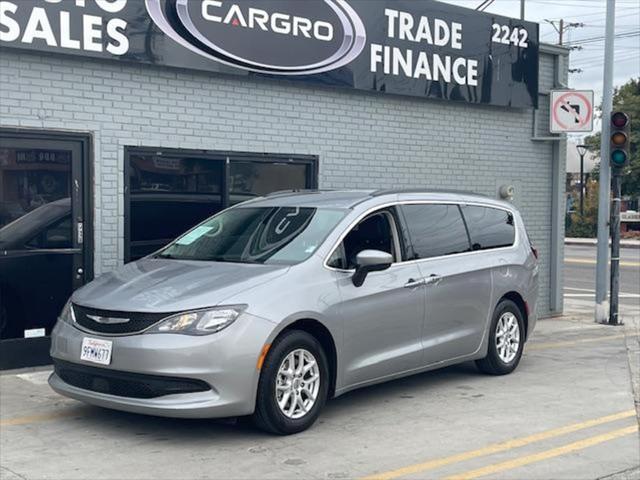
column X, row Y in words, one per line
column 293, row 385
column 506, row 340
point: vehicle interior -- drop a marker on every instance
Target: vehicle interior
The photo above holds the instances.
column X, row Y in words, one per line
column 373, row 233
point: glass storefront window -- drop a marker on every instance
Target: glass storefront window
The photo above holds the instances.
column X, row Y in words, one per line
column 171, row 191
column 30, row 178
column 36, row 234
column 260, row 178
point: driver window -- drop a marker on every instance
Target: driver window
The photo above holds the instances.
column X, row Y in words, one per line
column 373, row 233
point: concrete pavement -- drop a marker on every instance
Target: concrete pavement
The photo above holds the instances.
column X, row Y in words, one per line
column 567, row 412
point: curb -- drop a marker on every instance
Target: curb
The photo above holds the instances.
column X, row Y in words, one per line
column 593, row 241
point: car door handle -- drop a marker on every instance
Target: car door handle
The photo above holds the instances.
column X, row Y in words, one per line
column 412, row 283
column 433, row 279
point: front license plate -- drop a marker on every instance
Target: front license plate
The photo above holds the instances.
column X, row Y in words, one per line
column 96, row 351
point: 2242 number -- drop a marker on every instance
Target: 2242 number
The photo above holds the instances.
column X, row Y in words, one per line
column 510, row 36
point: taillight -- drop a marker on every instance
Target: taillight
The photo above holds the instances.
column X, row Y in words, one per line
column 535, row 252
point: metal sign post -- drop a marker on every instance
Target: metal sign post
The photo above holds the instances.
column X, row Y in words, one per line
column 605, row 169
column 615, row 246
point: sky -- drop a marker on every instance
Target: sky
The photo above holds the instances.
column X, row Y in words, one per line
column 591, row 13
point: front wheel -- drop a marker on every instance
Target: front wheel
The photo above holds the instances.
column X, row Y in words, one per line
column 506, row 340
column 293, row 384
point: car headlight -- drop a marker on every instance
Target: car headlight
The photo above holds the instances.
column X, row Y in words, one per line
column 199, row 322
column 67, row 314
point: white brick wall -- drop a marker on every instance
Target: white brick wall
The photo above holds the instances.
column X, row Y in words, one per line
column 362, row 140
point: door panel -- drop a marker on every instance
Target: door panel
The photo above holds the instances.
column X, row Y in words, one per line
column 382, row 323
column 458, row 287
column 41, row 234
column 458, row 294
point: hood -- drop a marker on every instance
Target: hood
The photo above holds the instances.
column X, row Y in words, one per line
column 161, row 285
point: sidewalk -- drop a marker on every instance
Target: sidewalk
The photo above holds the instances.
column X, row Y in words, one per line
column 624, row 243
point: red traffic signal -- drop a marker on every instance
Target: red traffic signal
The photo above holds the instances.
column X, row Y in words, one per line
column 619, row 139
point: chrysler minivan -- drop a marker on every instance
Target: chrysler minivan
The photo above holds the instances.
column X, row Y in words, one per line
column 275, row 305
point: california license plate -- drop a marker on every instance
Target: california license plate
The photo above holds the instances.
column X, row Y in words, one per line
column 96, row 351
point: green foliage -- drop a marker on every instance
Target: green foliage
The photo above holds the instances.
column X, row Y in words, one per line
column 587, row 225
column 626, row 98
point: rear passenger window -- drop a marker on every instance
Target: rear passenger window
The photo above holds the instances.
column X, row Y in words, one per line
column 435, row 230
column 489, row 227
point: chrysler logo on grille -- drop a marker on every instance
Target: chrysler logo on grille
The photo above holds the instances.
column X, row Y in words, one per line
column 107, row 320
column 281, row 37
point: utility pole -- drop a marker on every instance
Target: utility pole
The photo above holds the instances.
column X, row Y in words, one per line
column 604, row 190
column 561, row 27
column 521, row 9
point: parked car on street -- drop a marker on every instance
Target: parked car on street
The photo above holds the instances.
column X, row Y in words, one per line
column 273, row 306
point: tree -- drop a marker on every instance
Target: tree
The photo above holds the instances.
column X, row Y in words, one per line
column 584, row 226
column 626, row 98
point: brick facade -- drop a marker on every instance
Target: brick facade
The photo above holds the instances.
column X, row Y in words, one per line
column 363, row 140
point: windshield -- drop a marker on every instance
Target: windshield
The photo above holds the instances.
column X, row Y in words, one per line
column 271, row 235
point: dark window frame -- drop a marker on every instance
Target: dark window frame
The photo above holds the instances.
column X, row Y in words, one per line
column 226, row 156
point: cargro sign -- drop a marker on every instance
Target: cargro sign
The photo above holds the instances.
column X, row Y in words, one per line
column 421, row 48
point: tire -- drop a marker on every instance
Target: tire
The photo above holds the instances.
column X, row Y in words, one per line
column 504, row 360
column 284, row 356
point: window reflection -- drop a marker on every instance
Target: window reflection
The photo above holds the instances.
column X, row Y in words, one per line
column 261, row 178
column 30, row 178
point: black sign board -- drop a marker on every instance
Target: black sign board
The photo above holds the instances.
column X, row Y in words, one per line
column 421, row 48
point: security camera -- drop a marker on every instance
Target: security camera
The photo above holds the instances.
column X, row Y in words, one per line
column 507, row 192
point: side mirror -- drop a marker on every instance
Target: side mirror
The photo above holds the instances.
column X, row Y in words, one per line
column 370, row 261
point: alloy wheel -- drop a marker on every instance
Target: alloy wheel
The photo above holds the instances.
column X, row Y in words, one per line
column 297, row 383
column 507, row 337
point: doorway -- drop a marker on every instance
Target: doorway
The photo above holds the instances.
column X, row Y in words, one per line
column 45, row 237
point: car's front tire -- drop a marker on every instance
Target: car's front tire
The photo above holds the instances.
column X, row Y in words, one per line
column 293, row 385
column 506, row 340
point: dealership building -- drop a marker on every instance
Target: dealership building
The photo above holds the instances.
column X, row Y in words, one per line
column 123, row 123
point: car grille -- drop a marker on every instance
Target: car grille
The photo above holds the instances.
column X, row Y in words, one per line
column 135, row 322
column 125, row 384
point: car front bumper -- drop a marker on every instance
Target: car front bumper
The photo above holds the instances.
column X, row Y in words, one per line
column 226, row 361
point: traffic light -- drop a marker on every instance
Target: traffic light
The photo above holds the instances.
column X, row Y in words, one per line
column 619, row 139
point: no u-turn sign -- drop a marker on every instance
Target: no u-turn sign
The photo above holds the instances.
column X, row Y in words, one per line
column 571, row 111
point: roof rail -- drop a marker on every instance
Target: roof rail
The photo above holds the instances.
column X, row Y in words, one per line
column 296, row 190
column 389, row 191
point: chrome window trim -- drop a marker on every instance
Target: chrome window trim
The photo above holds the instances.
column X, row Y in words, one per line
column 461, row 203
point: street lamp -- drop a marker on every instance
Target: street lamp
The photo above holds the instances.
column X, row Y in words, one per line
column 582, row 150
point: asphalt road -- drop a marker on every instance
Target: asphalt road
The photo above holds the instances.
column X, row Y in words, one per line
column 580, row 271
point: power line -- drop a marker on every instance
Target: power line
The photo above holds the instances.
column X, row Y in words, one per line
column 600, row 38
column 483, row 6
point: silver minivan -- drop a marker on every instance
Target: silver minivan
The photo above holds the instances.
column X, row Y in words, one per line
column 273, row 306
